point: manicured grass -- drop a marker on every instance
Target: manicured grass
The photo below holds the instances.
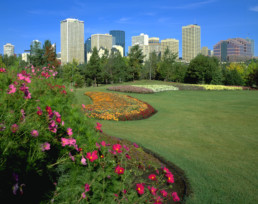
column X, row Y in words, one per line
column 211, row 135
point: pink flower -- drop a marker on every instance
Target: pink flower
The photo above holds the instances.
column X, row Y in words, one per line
column 175, row 197
column 152, row 177
column 170, row 178
column 2, row 70
column 20, row 77
column 119, row 170
column 103, row 143
column 164, row 193
column 152, row 190
column 69, row 142
column 135, row 145
column 69, row 131
column 71, row 156
column 58, row 120
column 83, row 161
column 83, row 106
column 62, row 123
column 83, row 195
column 127, row 156
column 126, row 148
column 117, row 148
column 14, row 128
column 166, row 170
column 92, row 156
column 97, row 145
column 12, row 89
column 140, row 188
column 39, row 112
column 87, row 187
column 34, row 133
column 57, row 114
column 158, row 200
column 45, row 146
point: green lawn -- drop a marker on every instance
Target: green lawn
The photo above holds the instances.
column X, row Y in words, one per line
column 211, row 135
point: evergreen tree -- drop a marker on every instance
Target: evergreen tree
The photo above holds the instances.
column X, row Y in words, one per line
column 49, row 54
column 93, row 67
column 135, row 62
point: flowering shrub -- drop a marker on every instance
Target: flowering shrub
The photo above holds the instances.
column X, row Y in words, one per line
column 131, row 89
column 109, row 106
column 158, row 88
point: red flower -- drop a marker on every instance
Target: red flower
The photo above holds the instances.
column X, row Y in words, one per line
column 119, row 170
column 175, row 197
column 58, row 120
column 87, row 187
column 152, row 190
column 140, row 188
column 158, row 200
column 127, row 156
column 152, row 177
column 49, row 110
column 164, row 193
column 117, row 148
column 170, row 178
column 166, row 170
column 92, row 156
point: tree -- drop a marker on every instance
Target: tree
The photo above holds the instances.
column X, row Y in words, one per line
column 2, row 65
column 49, row 54
column 166, row 65
column 151, row 66
column 135, row 62
column 203, row 69
column 93, row 67
column 36, row 55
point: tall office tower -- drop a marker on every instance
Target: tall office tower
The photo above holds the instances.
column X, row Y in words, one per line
column 8, row 49
column 72, row 40
column 205, row 51
column 142, row 39
column 252, row 45
column 235, row 49
column 118, row 38
column 154, row 45
column 87, row 48
column 118, row 48
column 171, row 44
column 101, row 41
column 191, row 42
column 34, row 45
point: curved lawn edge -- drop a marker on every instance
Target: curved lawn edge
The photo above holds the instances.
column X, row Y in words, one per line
column 177, row 171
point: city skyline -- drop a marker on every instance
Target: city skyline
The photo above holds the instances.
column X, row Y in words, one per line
column 30, row 20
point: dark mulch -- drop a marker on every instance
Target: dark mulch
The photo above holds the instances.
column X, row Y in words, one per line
column 151, row 161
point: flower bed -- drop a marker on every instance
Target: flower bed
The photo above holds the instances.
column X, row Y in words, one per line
column 108, row 106
column 219, row 87
column 158, row 88
column 131, row 89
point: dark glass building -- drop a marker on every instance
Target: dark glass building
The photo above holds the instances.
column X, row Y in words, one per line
column 87, row 48
column 118, row 38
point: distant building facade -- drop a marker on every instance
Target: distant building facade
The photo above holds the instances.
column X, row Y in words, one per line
column 118, row 48
column 252, row 45
column 171, row 44
column 142, row 39
column 205, row 51
column 118, row 38
column 8, row 49
column 233, row 50
column 25, row 57
column 87, row 48
column 191, row 41
column 154, row 45
column 72, row 40
column 101, row 41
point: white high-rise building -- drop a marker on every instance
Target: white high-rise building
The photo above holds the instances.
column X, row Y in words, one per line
column 8, row 49
column 191, row 42
column 72, row 40
column 142, row 39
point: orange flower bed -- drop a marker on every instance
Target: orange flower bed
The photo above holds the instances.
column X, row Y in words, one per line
column 109, row 106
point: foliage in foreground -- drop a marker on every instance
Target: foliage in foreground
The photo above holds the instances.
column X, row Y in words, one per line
column 48, row 153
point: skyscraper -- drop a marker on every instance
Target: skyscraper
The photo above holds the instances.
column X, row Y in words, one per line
column 8, row 49
column 72, row 40
column 101, row 41
column 171, row 44
column 119, row 38
column 191, row 41
column 87, row 48
column 154, row 45
column 142, row 39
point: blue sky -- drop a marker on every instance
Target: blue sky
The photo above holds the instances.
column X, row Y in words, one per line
column 24, row 21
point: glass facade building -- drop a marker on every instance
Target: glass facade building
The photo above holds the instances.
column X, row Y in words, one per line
column 118, row 38
column 87, row 48
column 235, row 49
